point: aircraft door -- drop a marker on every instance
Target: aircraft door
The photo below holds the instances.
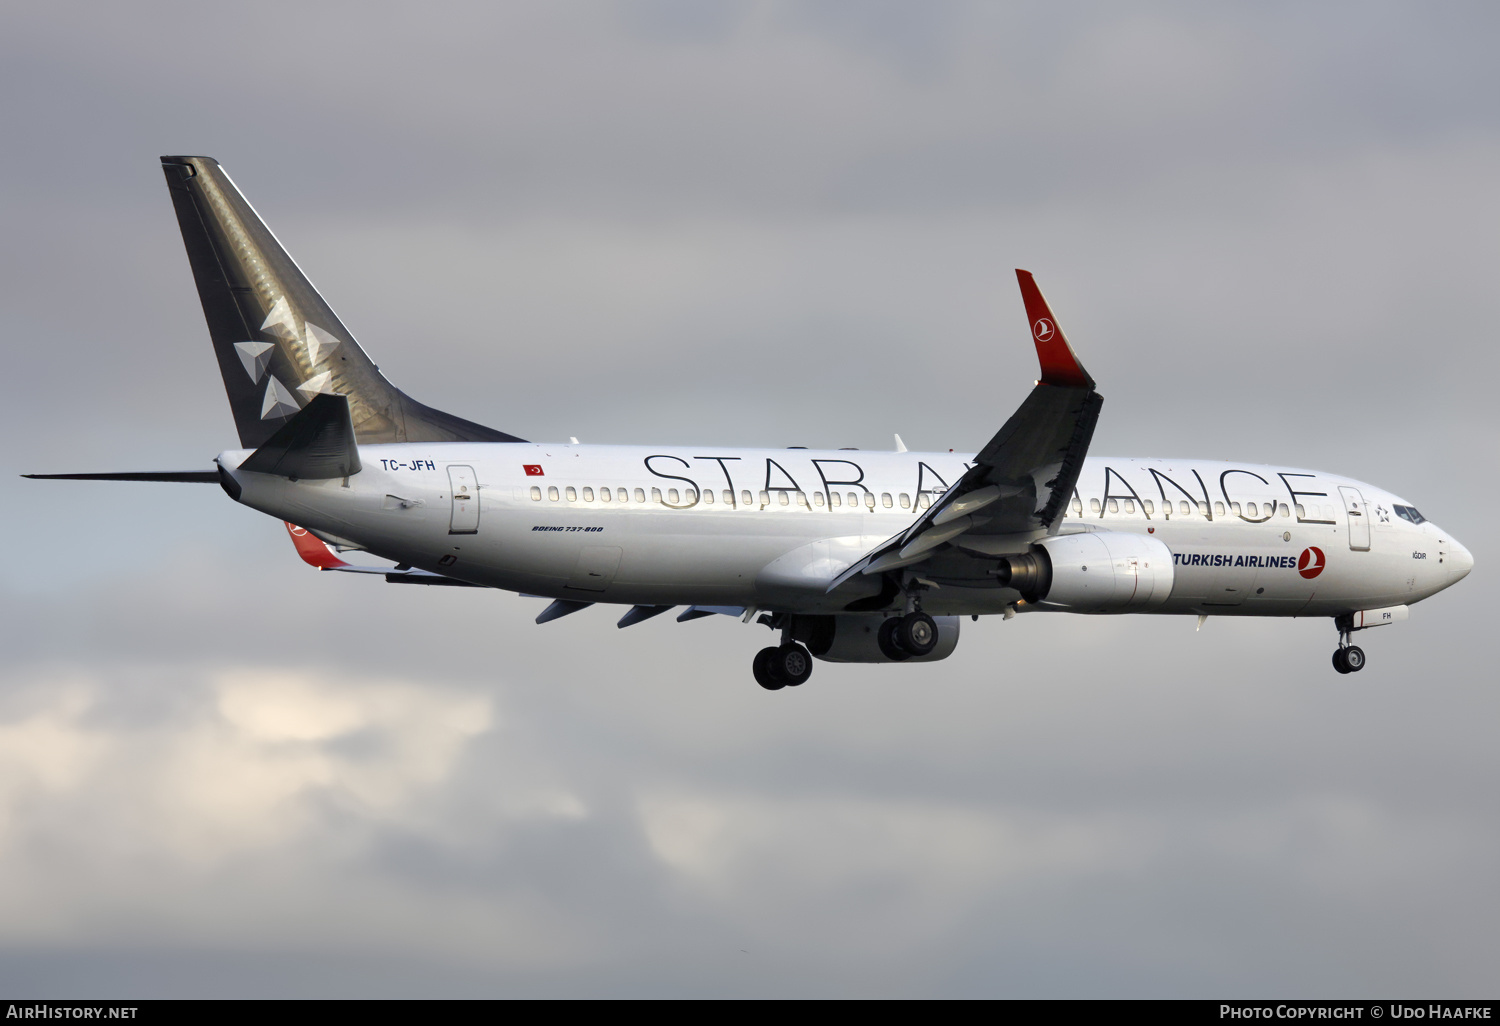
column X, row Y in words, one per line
column 1358, row 517
column 465, row 489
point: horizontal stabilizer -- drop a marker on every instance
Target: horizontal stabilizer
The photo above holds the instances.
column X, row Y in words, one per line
column 316, row 444
column 177, row 476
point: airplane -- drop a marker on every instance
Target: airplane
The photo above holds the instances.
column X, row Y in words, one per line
column 848, row 555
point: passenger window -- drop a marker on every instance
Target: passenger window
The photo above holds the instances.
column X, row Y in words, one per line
column 905, row 501
column 572, row 494
column 604, row 495
column 656, row 495
column 765, row 499
column 854, row 498
column 552, row 493
column 690, row 497
column 1147, row 506
column 1203, row 509
column 588, row 495
column 869, row 500
column 640, row 495
column 673, row 497
column 1252, row 510
column 1094, row 506
column 781, row 497
column 1301, row 512
column 708, row 495
column 834, row 499
column 1218, row 509
column 536, row 494
column 1114, row 505
column 926, row 499
column 728, row 497
column 802, row 500
column 1284, row 511
column 1077, row 506
column 817, row 498
column 886, row 500
column 745, row 499
column 1129, row 505
column 1236, row 508
column 1184, row 508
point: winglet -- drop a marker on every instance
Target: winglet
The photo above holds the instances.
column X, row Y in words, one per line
column 313, row 551
column 1059, row 365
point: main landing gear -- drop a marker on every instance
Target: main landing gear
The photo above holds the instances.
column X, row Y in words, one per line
column 902, row 637
column 1347, row 658
column 783, row 667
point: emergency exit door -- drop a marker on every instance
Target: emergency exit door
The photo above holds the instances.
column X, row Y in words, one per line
column 465, row 489
column 1358, row 518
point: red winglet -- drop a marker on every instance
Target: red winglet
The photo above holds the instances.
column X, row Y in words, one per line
column 1059, row 365
column 314, row 552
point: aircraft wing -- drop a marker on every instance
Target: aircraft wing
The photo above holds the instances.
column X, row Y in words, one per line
column 1020, row 482
column 316, row 552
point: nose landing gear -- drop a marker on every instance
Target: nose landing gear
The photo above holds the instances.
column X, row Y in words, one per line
column 1347, row 658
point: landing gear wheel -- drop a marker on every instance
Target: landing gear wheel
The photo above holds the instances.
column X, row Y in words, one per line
column 886, row 639
column 765, row 670
column 1354, row 658
column 792, row 664
column 1338, row 660
column 917, row 633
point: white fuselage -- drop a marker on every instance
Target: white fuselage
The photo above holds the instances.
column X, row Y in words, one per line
column 770, row 528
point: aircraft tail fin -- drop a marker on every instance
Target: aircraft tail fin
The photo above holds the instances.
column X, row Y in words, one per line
column 278, row 343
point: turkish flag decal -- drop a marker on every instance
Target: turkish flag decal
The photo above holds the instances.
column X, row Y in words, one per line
column 533, row 469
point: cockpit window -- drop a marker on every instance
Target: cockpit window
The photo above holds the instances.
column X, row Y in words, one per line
column 1409, row 513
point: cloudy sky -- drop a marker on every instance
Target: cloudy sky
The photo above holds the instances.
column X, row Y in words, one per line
column 1272, row 232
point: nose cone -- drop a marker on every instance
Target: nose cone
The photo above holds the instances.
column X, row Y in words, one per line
column 1459, row 560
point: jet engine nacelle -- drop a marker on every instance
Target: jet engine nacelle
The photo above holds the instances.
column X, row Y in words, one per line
column 1099, row 572
column 853, row 638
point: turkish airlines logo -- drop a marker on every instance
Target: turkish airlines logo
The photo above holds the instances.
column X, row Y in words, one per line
column 297, row 532
column 533, row 469
column 1043, row 330
column 1311, row 563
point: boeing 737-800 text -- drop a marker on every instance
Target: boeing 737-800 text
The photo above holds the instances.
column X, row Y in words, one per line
column 851, row 556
